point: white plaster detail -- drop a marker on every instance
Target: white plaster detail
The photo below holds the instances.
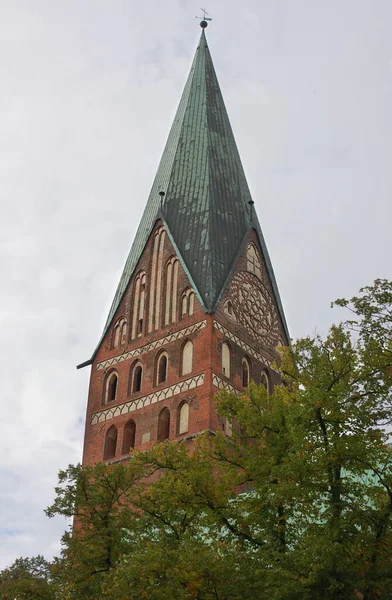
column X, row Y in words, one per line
column 159, row 280
column 158, row 396
column 221, row 384
column 183, row 418
column 174, row 291
column 146, row 437
column 187, row 358
column 152, row 345
column 248, row 349
column 169, row 273
column 226, row 359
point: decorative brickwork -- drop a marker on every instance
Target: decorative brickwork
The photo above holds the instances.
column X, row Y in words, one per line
column 151, row 346
column 197, row 307
column 132, row 405
column 248, row 349
column 222, row 384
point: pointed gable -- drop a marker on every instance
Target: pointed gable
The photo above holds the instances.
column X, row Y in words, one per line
column 206, row 210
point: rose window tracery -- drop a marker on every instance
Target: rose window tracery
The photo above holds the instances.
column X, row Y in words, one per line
column 254, row 308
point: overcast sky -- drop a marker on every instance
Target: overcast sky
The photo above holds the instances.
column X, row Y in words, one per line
column 88, row 93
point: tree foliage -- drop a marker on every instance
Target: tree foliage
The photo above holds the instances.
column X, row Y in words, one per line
column 296, row 504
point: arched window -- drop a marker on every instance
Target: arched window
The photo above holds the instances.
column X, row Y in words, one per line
column 124, row 330
column 129, row 437
column 120, row 333
column 187, row 358
column 228, row 308
column 110, row 443
column 171, row 290
column 111, row 387
column 138, row 305
column 245, row 373
column 164, row 425
column 253, row 262
column 265, row 381
column 156, row 280
column 135, row 378
column 162, row 368
column 187, row 303
column 183, row 418
column 226, row 359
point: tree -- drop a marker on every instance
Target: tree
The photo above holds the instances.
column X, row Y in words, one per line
column 27, row 579
column 295, row 505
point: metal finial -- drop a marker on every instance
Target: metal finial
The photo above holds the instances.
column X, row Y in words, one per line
column 204, row 19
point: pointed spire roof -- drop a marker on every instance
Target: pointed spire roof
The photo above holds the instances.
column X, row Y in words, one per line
column 206, row 208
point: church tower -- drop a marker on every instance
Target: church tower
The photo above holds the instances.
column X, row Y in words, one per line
column 197, row 308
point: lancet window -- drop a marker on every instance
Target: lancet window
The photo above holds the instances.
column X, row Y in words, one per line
column 129, row 437
column 164, row 425
column 111, row 384
column 228, row 310
column 110, row 443
column 135, row 378
column 187, row 358
column 245, row 373
column 156, row 280
column 183, row 418
column 265, row 381
column 226, row 359
column 171, row 291
column 120, row 333
column 187, row 303
column 253, row 262
column 139, row 300
column 162, row 364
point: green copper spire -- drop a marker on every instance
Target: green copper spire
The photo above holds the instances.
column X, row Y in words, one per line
column 206, row 208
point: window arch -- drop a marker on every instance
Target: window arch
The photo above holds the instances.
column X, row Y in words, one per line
column 164, row 425
column 111, row 385
column 139, row 298
column 265, row 381
column 183, row 418
column 245, row 372
column 187, row 358
column 135, row 378
column 187, row 303
column 129, row 437
column 228, row 309
column 120, row 333
column 253, row 261
column 110, row 443
column 171, row 290
column 162, row 364
column 156, row 279
column 226, row 359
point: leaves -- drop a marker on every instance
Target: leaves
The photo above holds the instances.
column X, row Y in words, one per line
column 296, row 504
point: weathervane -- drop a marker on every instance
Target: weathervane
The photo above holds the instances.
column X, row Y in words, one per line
column 204, row 19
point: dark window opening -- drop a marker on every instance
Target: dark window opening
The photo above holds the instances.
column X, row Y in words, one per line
column 112, row 388
column 162, row 369
column 137, row 379
column 140, row 326
column 129, row 437
column 164, row 425
column 110, row 443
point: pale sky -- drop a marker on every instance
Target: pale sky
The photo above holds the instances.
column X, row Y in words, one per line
column 88, row 93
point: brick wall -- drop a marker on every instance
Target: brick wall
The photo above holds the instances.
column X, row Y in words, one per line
column 197, row 388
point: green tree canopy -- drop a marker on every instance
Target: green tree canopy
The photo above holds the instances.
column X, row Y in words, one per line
column 296, row 504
